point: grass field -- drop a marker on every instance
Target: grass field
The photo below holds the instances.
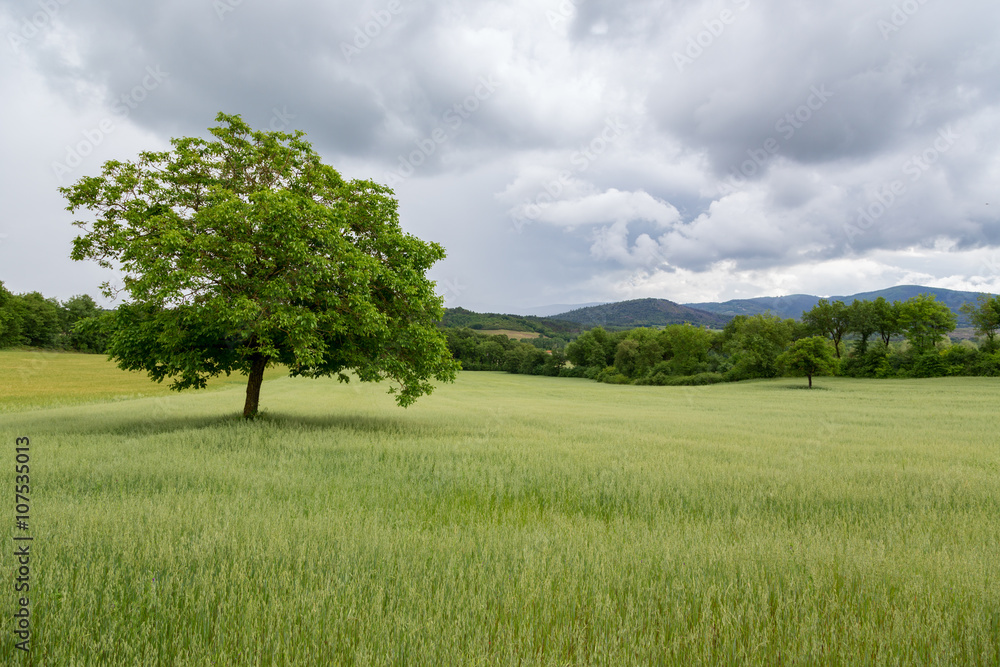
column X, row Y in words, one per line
column 511, row 520
column 38, row 379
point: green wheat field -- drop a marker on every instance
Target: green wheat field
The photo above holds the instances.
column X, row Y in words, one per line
column 503, row 520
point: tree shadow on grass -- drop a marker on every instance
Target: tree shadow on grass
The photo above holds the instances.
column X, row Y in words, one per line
column 152, row 425
column 141, row 426
column 355, row 423
column 138, row 425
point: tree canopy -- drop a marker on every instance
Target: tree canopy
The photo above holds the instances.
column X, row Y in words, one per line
column 925, row 321
column 244, row 251
column 755, row 343
column 830, row 319
column 809, row 356
column 985, row 317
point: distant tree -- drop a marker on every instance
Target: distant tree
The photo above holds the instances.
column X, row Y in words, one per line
column 925, row 321
column 985, row 317
column 40, row 319
column 754, row 344
column 525, row 359
column 555, row 361
column 829, row 319
column 887, row 319
column 245, row 251
column 687, row 348
column 10, row 319
column 638, row 352
column 809, row 357
column 78, row 333
column 77, row 308
column 92, row 334
column 491, row 352
column 864, row 322
column 595, row 347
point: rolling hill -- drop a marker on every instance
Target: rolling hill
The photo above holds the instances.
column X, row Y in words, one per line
column 642, row 313
column 544, row 326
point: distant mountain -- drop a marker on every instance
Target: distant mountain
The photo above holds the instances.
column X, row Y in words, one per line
column 642, row 313
column 793, row 305
column 783, row 306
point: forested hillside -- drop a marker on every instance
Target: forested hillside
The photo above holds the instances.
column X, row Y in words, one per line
column 550, row 327
column 643, row 313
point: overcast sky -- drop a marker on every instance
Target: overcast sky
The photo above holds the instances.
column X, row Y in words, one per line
column 561, row 152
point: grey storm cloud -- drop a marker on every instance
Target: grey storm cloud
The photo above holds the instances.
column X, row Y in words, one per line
column 755, row 139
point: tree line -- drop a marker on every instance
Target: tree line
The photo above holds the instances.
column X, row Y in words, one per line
column 878, row 339
column 31, row 320
column 874, row 339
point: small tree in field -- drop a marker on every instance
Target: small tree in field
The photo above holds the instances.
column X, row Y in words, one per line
column 246, row 251
column 809, row 357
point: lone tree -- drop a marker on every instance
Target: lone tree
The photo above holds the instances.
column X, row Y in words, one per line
column 246, row 251
column 809, row 356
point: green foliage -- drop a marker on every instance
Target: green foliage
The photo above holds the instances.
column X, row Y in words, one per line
column 611, row 375
column 662, row 378
column 986, row 364
column 984, row 315
column 754, row 344
column 10, row 319
column 873, row 362
column 809, row 357
column 961, row 359
column 84, row 325
column 637, row 352
column 925, row 322
column 35, row 321
column 524, row 359
column 864, row 322
column 40, row 320
column 246, row 251
column 77, row 308
column 888, row 319
column 478, row 352
column 928, row 364
column 830, row 319
column 91, row 334
column 688, row 349
column 595, row 347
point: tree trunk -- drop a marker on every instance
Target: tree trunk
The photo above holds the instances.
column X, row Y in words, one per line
column 256, row 377
column 810, row 381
